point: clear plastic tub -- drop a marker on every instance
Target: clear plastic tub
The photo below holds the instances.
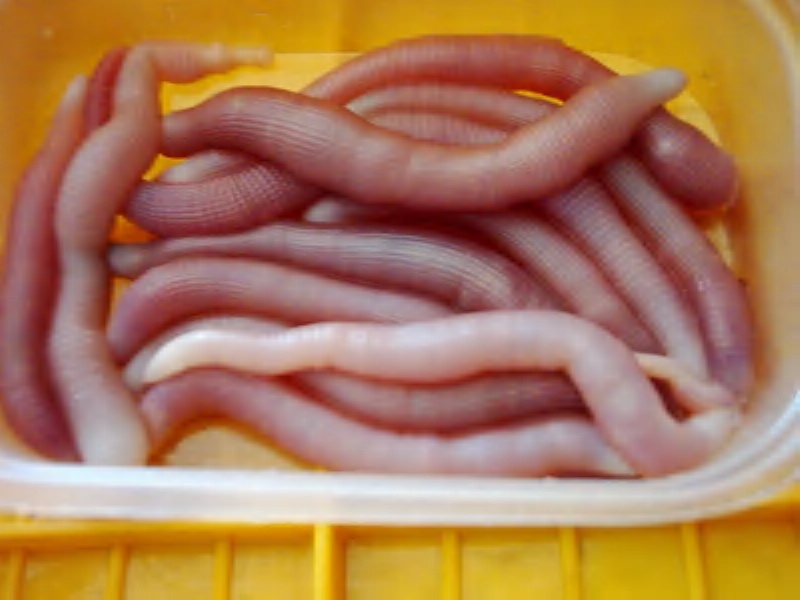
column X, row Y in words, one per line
column 742, row 59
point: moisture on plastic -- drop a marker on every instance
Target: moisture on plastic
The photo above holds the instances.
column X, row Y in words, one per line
column 743, row 71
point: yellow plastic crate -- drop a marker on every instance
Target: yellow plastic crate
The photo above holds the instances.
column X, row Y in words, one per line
column 754, row 555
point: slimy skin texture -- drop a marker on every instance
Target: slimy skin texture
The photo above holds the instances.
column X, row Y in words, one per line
column 688, row 165
column 245, row 193
column 455, row 270
column 625, row 406
column 332, row 148
column 683, row 160
column 101, row 410
column 481, row 401
column 352, row 276
column 453, row 407
column 532, row 447
column 717, row 295
column 709, row 286
column 465, row 274
column 586, row 213
column 542, row 248
column 30, row 281
column 191, row 287
column 682, row 250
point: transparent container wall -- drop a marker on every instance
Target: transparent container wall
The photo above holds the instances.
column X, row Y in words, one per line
column 741, row 57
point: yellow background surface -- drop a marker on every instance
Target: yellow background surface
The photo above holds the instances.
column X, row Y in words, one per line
column 754, row 555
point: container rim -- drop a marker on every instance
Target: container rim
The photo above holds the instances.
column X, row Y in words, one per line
column 39, row 489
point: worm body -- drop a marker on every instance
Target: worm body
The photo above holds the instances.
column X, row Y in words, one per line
column 410, row 267
column 684, row 161
column 190, row 287
column 333, row 148
column 532, row 448
column 108, row 164
column 30, row 282
column 465, row 275
column 623, row 402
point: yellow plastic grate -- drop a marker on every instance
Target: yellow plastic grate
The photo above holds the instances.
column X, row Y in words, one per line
column 739, row 558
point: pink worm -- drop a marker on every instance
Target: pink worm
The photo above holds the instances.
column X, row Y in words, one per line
column 100, row 98
column 490, row 107
column 30, row 279
column 678, row 244
column 630, row 267
column 245, row 192
column 230, row 180
column 455, row 270
column 534, row 243
column 332, row 148
column 608, row 239
column 96, row 184
column 439, row 128
column 521, row 116
column 476, row 402
column 554, row 445
column 682, row 249
column 479, row 401
column 683, row 160
column 628, row 410
column 543, row 250
column 177, row 203
column 189, row 287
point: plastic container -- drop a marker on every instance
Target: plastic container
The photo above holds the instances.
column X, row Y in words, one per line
column 742, row 59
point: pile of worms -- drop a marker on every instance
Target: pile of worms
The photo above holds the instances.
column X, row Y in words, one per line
column 450, row 255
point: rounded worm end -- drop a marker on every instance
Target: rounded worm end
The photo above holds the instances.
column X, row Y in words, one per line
column 125, row 260
column 664, row 83
column 121, row 446
column 716, row 426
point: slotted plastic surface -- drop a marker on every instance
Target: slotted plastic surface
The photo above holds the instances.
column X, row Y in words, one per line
column 754, row 555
